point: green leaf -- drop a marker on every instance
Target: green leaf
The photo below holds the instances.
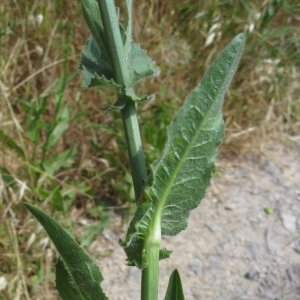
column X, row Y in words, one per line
column 56, row 134
column 174, row 291
column 77, row 275
column 95, row 71
column 140, row 65
column 65, row 288
column 92, row 17
column 8, row 142
column 57, row 161
column 7, row 177
column 182, row 174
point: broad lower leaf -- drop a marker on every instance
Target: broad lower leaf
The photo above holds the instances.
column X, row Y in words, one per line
column 182, row 174
column 77, row 273
column 174, row 291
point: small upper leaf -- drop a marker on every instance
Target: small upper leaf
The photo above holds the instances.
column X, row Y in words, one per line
column 77, row 271
column 174, row 291
column 183, row 172
column 91, row 14
column 95, row 70
column 140, row 65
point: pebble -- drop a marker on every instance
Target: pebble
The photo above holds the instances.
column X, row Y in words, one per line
column 289, row 222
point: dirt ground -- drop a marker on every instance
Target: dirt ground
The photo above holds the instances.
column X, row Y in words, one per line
column 232, row 248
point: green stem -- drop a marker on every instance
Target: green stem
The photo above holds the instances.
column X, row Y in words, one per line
column 121, row 76
column 114, row 40
column 150, row 274
column 134, row 144
column 135, row 149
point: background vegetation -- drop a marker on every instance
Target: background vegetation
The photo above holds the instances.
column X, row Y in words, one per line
column 59, row 151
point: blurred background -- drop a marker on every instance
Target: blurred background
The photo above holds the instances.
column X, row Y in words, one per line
column 58, row 150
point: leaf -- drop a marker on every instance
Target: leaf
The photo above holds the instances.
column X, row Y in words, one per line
column 182, row 174
column 92, row 17
column 174, row 291
column 58, row 130
column 93, row 68
column 140, row 65
column 65, row 288
column 7, row 141
column 77, row 275
column 7, row 177
column 60, row 160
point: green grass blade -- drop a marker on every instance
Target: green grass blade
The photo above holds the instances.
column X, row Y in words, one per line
column 182, row 174
column 174, row 291
column 77, row 273
column 8, row 142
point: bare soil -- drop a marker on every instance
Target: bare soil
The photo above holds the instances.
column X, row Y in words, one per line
column 232, row 249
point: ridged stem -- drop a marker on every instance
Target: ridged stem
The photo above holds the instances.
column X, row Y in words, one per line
column 149, row 289
column 117, row 56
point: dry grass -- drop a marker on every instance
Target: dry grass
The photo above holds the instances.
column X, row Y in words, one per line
column 41, row 40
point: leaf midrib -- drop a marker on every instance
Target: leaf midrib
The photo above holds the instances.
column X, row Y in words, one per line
column 169, row 185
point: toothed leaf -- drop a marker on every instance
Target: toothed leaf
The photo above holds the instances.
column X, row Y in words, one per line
column 94, row 69
column 140, row 65
column 182, row 174
column 91, row 14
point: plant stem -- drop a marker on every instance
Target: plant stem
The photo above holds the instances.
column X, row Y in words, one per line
column 121, row 76
column 135, row 149
column 149, row 289
column 114, row 40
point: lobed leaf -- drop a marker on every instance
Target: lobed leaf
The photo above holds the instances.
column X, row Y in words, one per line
column 95, row 70
column 174, row 291
column 77, row 275
column 182, row 174
column 92, row 17
column 140, row 65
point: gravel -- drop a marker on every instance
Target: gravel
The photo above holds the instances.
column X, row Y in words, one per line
column 232, row 248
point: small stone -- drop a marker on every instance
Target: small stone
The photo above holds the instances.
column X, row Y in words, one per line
column 212, row 226
column 252, row 275
column 271, row 247
column 196, row 266
column 271, row 168
column 254, row 251
column 289, row 222
column 293, row 273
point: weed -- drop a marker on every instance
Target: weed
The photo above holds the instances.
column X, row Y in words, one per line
column 179, row 177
